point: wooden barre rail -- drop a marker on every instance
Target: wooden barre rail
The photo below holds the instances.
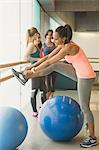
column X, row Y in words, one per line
column 9, row 65
column 91, row 60
column 13, row 64
column 6, row 78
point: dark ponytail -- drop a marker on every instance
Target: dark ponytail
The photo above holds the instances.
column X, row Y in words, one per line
column 65, row 32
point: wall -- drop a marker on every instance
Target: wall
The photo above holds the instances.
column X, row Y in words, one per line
column 15, row 17
column 45, row 24
column 68, row 17
column 89, row 41
column 18, row 17
column 87, row 21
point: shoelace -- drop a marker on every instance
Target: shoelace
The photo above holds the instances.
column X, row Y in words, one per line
column 88, row 139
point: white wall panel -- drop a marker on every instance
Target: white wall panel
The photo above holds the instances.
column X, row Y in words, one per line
column 15, row 17
column 9, row 31
column 9, row 49
column 89, row 41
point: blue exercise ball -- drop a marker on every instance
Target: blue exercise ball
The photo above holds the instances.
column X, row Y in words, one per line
column 13, row 128
column 61, row 118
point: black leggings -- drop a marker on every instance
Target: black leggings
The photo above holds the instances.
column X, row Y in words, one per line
column 50, row 81
column 33, row 99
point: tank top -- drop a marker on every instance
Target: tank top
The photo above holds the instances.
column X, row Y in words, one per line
column 81, row 64
column 35, row 54
column 47, row 50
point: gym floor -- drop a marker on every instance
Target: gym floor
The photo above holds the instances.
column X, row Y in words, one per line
column 37, row 140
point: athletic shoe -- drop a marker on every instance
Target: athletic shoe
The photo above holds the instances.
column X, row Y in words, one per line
column 19, row 76
column 89, row 142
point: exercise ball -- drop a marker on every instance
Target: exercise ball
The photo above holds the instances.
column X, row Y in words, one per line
column 61, row 118
column 13, row 128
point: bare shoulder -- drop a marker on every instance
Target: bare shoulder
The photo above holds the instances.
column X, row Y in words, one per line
column 73, row 49
column 30, row 48
column 30, row 45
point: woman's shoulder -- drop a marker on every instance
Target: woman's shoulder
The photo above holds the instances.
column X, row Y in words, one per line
column 30, row 44
column 72, row 43
column 30, row 47
column 72, row 48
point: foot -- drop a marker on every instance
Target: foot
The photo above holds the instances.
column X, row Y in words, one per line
column 35, row 114
column 89, row 142
column 19, row 76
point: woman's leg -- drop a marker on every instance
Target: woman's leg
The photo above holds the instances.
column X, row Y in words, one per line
column 51, row 83
column 43, row 97
column 66, row 70
column 48, row 83
column 35, row 84
column 60, row 67
column 84, row 93
column 33, row 100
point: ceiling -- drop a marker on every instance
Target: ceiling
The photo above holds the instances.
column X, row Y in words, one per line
column 71, row 11
column 70, row 5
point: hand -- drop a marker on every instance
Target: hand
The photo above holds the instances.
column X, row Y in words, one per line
column 28, row 74
column 33, row 70
column 28, row 68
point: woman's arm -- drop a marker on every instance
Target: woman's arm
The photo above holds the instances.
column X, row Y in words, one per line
column 66, row 50
column 45, row 58
column 55, row 51
column 55, row 58
column 37, row 63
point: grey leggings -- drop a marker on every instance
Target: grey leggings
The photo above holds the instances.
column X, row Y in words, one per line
column 84, row 86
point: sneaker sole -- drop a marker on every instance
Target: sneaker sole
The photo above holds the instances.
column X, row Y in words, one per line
column 87, row 146
column 18, row 78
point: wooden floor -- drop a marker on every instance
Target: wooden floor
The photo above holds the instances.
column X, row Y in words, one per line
column 37, row 140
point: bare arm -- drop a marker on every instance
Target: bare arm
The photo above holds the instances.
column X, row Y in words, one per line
column 71, row 50
column 54, row 52
column 45, row 58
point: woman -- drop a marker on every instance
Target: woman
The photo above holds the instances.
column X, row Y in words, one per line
column 49, row 46
column 32, row 54
column 78, row 69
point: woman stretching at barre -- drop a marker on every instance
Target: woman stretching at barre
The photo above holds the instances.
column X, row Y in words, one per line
column 78, row 69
